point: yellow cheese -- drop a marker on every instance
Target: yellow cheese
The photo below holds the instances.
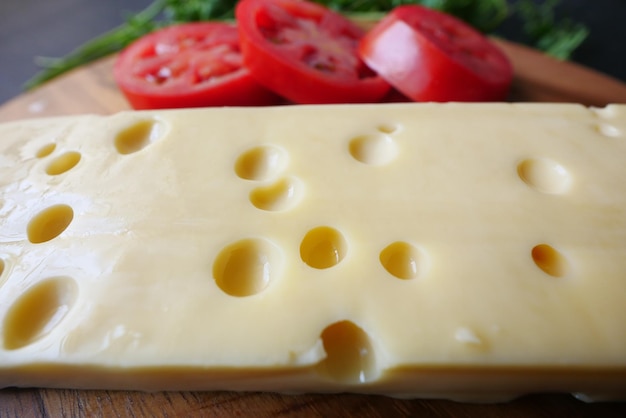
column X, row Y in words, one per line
column 414, row 250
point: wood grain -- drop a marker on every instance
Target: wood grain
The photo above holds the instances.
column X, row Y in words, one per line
column 540, row 78
column 73, row 403
column 91, row 89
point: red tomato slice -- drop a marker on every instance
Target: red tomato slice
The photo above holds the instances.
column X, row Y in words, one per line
column 431, row 56
column 305, row 52
column 188, row 65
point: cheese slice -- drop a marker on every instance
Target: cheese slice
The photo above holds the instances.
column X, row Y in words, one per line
column 465, row 251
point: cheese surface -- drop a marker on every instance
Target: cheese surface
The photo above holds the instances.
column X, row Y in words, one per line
column 460, row 251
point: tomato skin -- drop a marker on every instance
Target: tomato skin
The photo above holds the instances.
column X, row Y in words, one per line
column 431, row 56
column 279, row 61
column 188, row 65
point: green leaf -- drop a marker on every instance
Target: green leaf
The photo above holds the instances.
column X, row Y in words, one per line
column 558, row 38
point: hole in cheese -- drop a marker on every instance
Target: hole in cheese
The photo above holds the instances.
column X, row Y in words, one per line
column 63, row 163
column 550, row 260
column 49, row 223
column 282, row 195
column 38, row 311
column 350, row 357
column 138, row 136
column 261, row 163
column 402, row 260
column 45, row 150
column 247, row 267
column 387, row 128
column 544, row 175
column 373, row 149
column 323, row 247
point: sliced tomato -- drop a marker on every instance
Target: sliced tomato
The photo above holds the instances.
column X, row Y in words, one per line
column 188, row 65
column 431, row 56
column 305, row 52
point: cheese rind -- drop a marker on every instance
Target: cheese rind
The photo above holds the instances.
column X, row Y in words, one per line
column 317, row 248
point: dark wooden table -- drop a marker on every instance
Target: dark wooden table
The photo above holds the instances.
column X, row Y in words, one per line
column 71, row 403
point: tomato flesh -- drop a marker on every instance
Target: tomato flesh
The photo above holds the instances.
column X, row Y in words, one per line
column 431, row 56
column 188, row 65
column 305, row 52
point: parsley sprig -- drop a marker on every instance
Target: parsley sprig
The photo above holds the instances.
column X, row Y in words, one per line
column 556, row 37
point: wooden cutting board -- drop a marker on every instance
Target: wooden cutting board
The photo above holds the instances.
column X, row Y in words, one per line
column 91, row 89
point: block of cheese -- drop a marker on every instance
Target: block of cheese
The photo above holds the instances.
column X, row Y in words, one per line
column 464, row 251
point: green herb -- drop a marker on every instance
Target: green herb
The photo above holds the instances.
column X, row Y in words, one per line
column 196, row 10
column 557, row 37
